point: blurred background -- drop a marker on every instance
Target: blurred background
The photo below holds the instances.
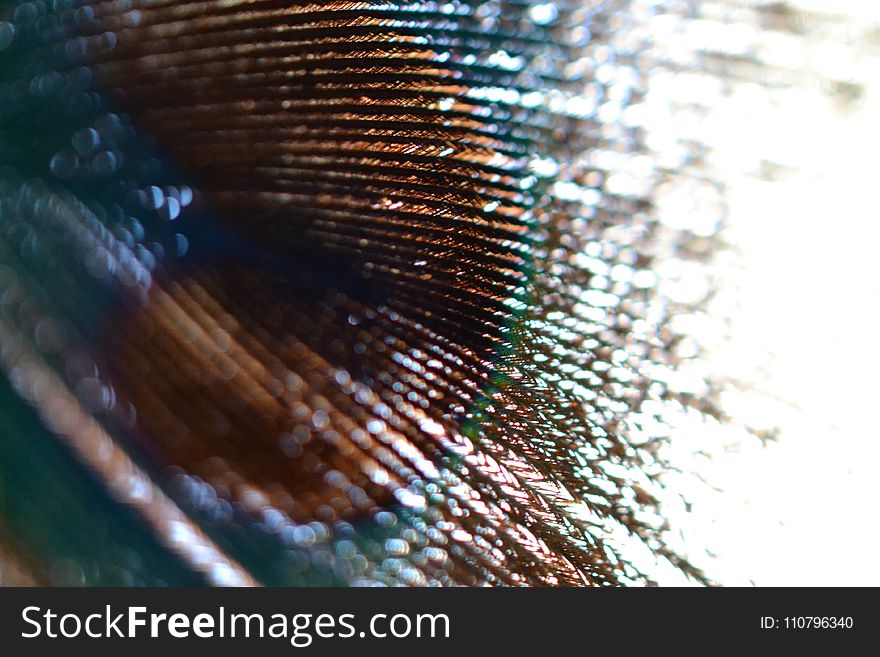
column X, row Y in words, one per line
column 787, row 105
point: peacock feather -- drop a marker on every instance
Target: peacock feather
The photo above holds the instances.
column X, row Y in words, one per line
column 342, row 292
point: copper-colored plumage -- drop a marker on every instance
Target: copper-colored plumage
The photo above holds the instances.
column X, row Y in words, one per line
column 358, row 327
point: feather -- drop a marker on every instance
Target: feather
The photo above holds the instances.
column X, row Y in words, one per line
column 334, row 292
